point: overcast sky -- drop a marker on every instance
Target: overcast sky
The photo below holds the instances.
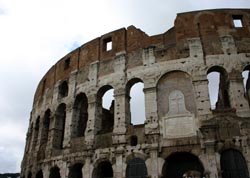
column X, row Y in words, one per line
column 35, row 34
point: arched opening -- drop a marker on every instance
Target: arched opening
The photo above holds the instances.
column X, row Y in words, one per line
column 180, row 164
column 218, row 86
column 136, row 168
column 80, row 116
column 103, row 170
column 170, row 87
column 133, row 140
column 213, row 87
column 36, row 131
column 105, row 109
column 39, row 174
column 135, row 101
column 233, row 164
column 246, row 82
column 29, row 175
column 54, row 172
column 63, row 89
column 75, row 171
column 46, row 125
column 59, row 128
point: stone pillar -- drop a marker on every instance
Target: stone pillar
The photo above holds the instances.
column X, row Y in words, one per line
column 67, row 128
column 88, row 166
column 236, row 93
column 154, row 161
column 195, row 47
column 151, row 124
column 209, row 158
column 118, row 172
column 93, row 124
column 148, row 56
column 202, row 96
column 120, row 118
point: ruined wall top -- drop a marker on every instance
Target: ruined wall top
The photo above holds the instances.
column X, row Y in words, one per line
column 207, row 25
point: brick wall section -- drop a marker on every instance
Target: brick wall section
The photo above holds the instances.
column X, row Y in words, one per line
column 208, row 25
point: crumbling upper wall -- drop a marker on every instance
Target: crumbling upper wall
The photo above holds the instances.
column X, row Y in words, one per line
column 211, row 27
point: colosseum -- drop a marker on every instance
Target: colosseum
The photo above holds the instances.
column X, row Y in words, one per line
column 183, row 135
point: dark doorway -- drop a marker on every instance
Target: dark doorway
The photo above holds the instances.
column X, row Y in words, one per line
column 39, row 174
column 54, row 172
column 136, row 168
column 76, row 171
column 103, row 170
column 178, row 164
column 233, row 164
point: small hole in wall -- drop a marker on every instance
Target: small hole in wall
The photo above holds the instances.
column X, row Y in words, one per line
column 237, row 21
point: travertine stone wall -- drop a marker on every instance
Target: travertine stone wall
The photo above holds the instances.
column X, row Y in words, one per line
column 179, row 123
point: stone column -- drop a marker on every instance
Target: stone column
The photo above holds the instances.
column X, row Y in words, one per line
column 67, row 128
column 202, row 96
column 236, row 93
column 209, row 158
column 151, row 124
column 118, row 172
column 88, row 166
column 154, row 161
column 93, row 124
column 121, row 118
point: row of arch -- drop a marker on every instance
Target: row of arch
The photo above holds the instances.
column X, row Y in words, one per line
column 106, row 123
column 177, row 165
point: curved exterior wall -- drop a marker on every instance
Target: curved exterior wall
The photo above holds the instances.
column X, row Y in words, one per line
column 179, row 119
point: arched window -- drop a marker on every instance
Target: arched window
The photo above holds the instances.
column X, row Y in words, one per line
column 233, row 164
column 54, row 172
column 135, row 101
column 180, row 164
column 46, row 125
column 63, row 90
column 80, row 115
column 60, row 117
column 136, row 168
column 105, row 109
column 218, row 85
column 103, row 170
column 246, row 82
column 36, row 131
column 75, row 171
column 133, row 140
column 39, row 174
column 29, row 175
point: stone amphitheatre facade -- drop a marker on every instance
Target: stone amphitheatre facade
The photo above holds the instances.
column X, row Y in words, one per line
column 72, row 135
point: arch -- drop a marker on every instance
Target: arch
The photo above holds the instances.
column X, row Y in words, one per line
column 246, row 82
column 76, row 171
column 80, row 115
column 29, row 175
column 135, row 101
column 103, row 170
column 136, row 168
column 54, row 172
column 36, row 131
column 233, row 164
column 59, row 128
column 179, row 164
column 39, row 174
column 219, row 87
column 105, row 115
column 175, row 81
column 46, row 126
column 63, row 89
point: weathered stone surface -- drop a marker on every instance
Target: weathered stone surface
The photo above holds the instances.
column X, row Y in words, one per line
column 71, row 135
